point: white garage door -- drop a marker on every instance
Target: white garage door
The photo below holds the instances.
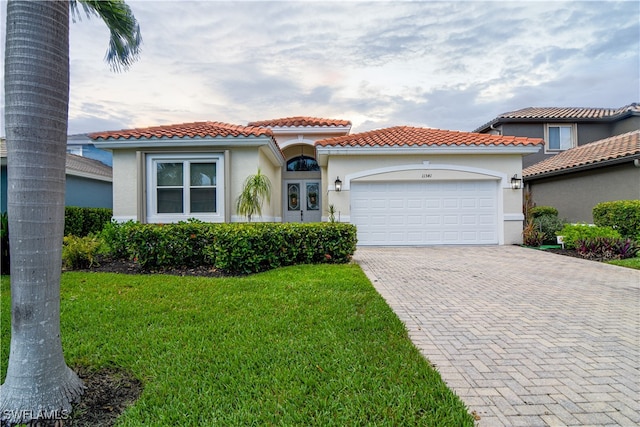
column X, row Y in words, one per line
column 425, row 213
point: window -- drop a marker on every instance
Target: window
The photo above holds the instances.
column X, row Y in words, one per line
column 180, row 187
column 559, row 137
column 302, row 164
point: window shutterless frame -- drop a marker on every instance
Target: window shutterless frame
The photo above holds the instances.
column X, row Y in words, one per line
column 559, row 137
column 184, row 186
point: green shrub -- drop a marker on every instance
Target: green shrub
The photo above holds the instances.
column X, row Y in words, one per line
column 549, row 225
column 80, row 252
column 236, row 248
column 622, row 215
column 84, row 221
column 538, row 211
column 575, row 232
column 607, row 248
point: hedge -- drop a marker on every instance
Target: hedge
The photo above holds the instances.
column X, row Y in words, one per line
column 81, row 222
column 233, row 248
column 572, row 233
column 622, row 215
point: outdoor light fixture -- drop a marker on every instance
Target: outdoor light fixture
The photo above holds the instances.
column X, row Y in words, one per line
column 338, row 184
column 516, row 183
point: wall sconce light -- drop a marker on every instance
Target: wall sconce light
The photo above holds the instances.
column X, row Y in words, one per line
column 338, row 184
column 516, row 183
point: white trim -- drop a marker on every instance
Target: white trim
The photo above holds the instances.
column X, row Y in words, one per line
column 150, row 179
column 426, row 165
column 514, row 217
column 299, row 141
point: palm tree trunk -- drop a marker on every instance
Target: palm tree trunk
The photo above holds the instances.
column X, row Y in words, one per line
column 38, row 383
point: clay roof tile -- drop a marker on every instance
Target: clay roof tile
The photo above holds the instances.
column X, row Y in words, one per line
column 626, row 145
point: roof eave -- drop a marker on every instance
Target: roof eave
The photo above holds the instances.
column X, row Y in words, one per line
column 512, row 149
column 199, row 142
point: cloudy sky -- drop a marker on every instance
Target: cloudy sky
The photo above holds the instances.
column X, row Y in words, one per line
column 449, row 65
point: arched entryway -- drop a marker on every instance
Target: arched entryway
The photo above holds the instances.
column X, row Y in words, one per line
column 301, row 185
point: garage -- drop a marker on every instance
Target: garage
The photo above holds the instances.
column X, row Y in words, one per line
column 425, row 212
column 408, row 186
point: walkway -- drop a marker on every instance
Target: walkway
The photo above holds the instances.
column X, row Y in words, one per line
column 524, row 337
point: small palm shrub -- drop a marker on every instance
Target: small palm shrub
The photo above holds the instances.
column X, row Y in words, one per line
column 574, row 232
column 80, row 252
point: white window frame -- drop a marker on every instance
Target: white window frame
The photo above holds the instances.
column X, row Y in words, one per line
column 573, row 132
column 151, row 186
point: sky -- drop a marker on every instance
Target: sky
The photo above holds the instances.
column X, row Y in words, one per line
column 442, row 64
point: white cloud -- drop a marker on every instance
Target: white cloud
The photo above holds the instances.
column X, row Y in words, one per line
column 431, row 63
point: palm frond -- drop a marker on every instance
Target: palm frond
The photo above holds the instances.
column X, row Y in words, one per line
column 255, row 191
column 125, row 38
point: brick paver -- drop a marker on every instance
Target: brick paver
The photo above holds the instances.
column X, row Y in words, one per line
column 524, row 337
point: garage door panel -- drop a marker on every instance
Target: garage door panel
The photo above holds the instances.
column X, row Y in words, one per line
column 419, row 213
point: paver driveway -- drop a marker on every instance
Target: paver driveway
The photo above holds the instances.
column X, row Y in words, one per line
column 524, row 337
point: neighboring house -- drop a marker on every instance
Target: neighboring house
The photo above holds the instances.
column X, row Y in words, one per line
column 575, row 180
column 88, row 182
column 399, row 186
column 82, row 145
column 564, row 128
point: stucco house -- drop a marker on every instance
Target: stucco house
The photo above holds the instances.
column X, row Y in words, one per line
column 576, row 180
column 399, row 185
column 88, row 181
column 563, row 128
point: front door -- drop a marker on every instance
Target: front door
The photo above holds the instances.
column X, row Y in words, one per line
column 302, row 201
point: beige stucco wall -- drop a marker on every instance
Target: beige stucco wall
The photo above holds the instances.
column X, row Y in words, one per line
column 499, row 167
column 575, row 195
column 129, row 178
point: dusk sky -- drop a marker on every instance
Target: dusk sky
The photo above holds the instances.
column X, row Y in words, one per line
column 448, row 65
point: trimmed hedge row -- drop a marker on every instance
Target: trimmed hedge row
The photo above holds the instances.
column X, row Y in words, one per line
column 81, row 222
column 622, row 215
column 234, row 248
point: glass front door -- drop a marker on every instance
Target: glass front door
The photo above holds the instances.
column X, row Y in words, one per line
column 302, row 201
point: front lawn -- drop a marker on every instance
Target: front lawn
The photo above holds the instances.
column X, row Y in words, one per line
column 629, row 262
column 303, row 345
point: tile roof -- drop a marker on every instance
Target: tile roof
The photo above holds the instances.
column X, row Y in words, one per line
column 301, row 121
column 564, row 113
column 88, row 166
column 568, row 113
column 619, row 147
column 75, row 164
column 184, row 130
column 401, row 136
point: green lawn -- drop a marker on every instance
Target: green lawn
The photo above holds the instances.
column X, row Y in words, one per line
column 629, row 262
column 304, row 345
